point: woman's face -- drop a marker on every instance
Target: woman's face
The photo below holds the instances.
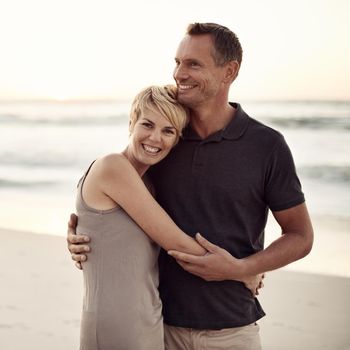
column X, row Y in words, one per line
column 152, row 138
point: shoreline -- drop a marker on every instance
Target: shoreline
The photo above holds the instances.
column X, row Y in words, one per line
column 329, row 255
column 42, row 297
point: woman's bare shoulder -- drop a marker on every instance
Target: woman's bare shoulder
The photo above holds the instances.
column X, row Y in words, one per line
column 114, row 164
column 111, row 159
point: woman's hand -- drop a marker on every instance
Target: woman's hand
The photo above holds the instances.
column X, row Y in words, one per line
column 254, row 283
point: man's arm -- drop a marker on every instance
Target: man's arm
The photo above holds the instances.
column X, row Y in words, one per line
column 75, row 242
column 218, row 265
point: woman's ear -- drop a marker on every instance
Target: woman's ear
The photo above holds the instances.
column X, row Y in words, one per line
column 130, row 128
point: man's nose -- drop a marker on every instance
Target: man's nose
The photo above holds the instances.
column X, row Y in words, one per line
column 180, row 72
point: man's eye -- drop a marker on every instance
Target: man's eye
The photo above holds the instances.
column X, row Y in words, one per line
column 194, row 64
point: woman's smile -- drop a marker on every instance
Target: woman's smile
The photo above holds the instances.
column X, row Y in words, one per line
column 151, row 149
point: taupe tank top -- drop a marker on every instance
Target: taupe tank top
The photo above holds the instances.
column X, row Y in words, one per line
column 121, row 306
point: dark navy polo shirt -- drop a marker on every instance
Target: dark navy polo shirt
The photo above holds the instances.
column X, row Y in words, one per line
column 222, row 187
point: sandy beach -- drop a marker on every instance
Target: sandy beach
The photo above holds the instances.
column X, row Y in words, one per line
column 41, row 294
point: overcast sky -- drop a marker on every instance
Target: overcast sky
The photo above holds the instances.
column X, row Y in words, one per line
column 63, row 49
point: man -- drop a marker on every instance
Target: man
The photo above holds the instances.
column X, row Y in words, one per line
column 220, row 180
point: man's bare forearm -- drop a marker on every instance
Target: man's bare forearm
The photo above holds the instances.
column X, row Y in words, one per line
column 286, row 249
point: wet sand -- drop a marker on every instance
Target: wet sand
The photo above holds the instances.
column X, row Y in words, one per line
column 41, row 296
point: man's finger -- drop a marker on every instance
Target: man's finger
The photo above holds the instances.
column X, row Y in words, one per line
column 184, row 265
column 73, row 220
column 78, row 248
column 206, row 244
column 79, row 257
column 76, row 239
column 78, row 265
column 193, row 259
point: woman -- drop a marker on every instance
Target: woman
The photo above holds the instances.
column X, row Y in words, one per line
column 122, row 308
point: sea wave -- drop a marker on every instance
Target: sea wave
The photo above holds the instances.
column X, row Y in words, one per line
column 71, row 121
column 309, row 122
column 329, row 173
column 23, row 161
column 329, row 123
column 6, row 183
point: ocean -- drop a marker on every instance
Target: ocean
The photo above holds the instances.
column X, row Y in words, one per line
column 46, row 146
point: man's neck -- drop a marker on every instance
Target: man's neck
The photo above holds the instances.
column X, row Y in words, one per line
column 206, row 121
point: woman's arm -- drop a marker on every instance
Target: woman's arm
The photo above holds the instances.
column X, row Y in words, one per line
column 119, row 180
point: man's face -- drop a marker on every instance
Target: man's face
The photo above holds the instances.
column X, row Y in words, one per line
column 197, row 76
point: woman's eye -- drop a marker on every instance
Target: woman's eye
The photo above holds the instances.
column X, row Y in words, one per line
column 147, row 125
column 169, row 132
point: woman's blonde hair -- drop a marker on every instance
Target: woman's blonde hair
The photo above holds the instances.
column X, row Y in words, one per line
column 162, row 99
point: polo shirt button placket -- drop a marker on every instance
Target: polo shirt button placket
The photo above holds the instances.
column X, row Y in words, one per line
column 198, row 163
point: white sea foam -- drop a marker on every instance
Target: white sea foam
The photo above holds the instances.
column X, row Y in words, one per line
column 45, row 148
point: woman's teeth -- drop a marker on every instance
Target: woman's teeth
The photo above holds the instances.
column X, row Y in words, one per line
column 151, row 149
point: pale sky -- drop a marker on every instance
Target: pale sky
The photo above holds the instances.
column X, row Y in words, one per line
column 69, row 49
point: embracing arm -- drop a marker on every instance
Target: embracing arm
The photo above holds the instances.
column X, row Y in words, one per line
column 294, row 243
column 119, row 180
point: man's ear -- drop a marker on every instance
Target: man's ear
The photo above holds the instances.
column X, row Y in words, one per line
column 231, row 73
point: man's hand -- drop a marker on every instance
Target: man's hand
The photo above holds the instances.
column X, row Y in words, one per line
column 216, row 265
column 75, row 241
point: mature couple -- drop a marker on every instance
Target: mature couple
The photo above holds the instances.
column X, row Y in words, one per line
column 219, row 175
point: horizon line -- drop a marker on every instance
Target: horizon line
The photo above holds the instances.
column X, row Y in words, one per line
column 124, row 99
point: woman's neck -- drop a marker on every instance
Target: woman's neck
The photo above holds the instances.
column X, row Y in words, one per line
column 139, row 167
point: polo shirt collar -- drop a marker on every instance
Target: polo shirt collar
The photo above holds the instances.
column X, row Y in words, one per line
column 233, row 131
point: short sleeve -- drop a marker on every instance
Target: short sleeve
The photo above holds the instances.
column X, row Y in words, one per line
column 282, row 186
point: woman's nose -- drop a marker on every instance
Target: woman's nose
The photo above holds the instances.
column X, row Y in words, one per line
column 155, row 135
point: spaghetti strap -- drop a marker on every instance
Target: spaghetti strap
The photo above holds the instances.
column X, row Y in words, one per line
column 85, row 174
